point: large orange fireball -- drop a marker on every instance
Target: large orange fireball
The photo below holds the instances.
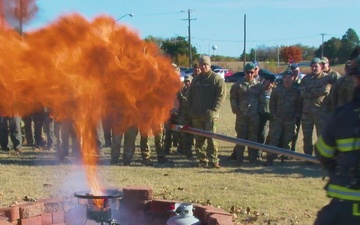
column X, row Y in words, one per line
column 84, row 71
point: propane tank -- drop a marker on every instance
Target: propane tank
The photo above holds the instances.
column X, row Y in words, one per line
column 184, row 215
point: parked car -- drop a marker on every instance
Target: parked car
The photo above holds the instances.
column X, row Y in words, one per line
column 222, row 72
column 235, row 77
column 214, row 67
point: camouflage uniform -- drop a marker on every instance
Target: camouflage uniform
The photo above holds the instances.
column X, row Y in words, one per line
column 206, row 94
column 314, row 92
column 186, row 139
column 129, row 146
column 248, row 100
column 342, row 92
column 285, row 107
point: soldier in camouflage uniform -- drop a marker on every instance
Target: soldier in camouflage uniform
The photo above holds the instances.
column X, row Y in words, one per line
column 328, row 70
column 267, row 79
column 247, row 100
column 206, row 94
column 314, row 89
column 186, row 139
column 129, row 147
column 296, row 80
column 285, row 108
column 343, row 90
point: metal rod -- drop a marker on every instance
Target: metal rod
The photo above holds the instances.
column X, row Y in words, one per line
column 266, row 148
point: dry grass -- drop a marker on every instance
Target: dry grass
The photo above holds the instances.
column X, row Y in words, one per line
column 285, row 194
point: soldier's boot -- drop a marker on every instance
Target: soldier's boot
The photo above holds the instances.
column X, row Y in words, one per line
column 269, row 159
column 215, row 165
column 253, row 156
column 163, row 160
column 203, row 164
column 239, row 157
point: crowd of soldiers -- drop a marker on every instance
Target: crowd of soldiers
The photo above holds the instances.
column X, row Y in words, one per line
column 268, row 110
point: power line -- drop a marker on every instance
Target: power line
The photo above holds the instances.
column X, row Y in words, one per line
column 160, row 14
column 254, row 41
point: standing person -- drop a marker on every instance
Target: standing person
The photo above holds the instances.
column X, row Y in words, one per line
column 328, row 70
column 247, row 100
column 186, row 139
column 206, row 94
column 343, row 90
column 10, row 125
column 108, row 132
column 197, row 70
column 297, row 75
column 285, row 108
column 267, row 80
column 338, row 151
column 49, row 129
column 67, row 131
column 314, row 88
column 28, row 130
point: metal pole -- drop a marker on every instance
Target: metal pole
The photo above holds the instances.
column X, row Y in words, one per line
column 244, row 41
column 322, row 44
column 189, row 31
column 266, row 148
column 278, row 55
column 189, row 36
column 21, row 17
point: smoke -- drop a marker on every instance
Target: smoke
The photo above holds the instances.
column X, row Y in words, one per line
column 86, row 70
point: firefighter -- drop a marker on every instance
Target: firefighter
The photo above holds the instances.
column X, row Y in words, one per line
column 338, row 150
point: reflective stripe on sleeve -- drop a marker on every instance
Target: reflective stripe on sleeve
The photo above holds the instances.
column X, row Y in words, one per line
column 348, row 144
column 324, row 149
column 344, row 193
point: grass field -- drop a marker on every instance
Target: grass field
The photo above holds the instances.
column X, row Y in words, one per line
column 284, row 194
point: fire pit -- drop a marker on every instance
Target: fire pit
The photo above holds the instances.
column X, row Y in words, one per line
column 98, row 207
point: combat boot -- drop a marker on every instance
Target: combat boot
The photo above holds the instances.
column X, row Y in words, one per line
column 215, row 165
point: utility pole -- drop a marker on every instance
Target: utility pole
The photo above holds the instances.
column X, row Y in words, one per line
column 189, row 35
column 244, row 53
column 322, row 44
column 21, row 17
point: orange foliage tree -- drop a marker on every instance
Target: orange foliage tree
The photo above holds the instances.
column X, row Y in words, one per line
column 291, row 54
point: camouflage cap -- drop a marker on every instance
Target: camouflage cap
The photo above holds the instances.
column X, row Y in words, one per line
column 294, row 66
column 249, row 66
column 287, row 73
column 316, row 60
column 204, row 59
column 324, row 59
column 188, row 78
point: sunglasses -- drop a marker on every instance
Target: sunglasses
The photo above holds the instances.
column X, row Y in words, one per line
column 250, row 72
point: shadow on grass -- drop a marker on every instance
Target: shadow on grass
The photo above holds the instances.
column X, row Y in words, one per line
column 31, row 157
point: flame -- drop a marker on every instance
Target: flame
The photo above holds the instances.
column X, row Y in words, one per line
column 86, row 70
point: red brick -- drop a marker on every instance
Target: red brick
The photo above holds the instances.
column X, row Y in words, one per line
column 11, row 212
column 160, row 206
column 58, row 217
column 201, row 214
column 31, row 210
column 53, row 204
column 136, row 197
column 46, row 219
column 31, row 221
column 220, row 219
